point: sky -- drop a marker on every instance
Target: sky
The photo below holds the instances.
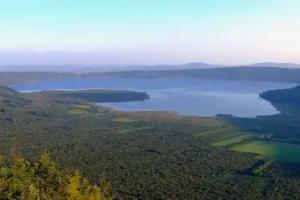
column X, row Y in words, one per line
column 104, row 32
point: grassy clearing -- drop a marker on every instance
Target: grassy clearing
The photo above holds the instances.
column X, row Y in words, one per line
column 271, row 150
column 78, row 109
column 226, row 135
column 240, row 141
column 82, row 106
column 125, row 120
column 232, row 140
column 210, row 132
column 76, row 112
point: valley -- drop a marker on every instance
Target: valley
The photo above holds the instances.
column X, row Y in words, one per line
column 150, row 100
column 149, row 155
column 135, row 150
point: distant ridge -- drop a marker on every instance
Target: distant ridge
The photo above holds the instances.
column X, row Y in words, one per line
column 115, row 68
column 273, row 64
column 247, row 73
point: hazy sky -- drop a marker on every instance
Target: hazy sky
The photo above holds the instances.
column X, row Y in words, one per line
column 149, row 31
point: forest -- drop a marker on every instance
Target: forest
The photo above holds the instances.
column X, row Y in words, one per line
column 100, row 95
column 143, row 155
column 150, row 100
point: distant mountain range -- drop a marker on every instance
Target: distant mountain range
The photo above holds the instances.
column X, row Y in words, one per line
column 244, row 73
column 273, row 64
column 115, row 68
column 252, row 73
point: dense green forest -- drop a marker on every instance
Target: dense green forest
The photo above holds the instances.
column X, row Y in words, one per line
column 101, row 96
column 144, row 155
column 286, row 96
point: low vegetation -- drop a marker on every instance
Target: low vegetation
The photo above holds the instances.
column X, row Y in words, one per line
column 271, row 150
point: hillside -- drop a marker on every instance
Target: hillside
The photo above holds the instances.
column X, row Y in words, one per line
column 144, row 155
column 291, row 75
column 100, row 95
column 287, row 96
column 43, row 179
column 233, row 73
column 285, row 124
column 8, row 78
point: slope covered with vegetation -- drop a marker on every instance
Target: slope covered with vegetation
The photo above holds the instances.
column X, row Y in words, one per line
column 101, row 95
column 144, row 155
column 21, row 179
column 276, row 136
column 285, row 124
column 286, row 96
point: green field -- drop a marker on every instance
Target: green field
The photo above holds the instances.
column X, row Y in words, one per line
column 223, row 137
column 235, row 140
column 232, row 140
column 221, row 134
column 271, row 150
column 244, row 142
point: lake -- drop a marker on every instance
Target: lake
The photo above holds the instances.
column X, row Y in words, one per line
column 181, row 95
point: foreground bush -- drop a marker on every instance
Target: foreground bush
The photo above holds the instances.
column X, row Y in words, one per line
column 21, row 179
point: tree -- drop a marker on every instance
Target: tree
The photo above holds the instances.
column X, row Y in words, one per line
column 43, row 180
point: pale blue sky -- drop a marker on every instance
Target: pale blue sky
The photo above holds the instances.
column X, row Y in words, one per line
column 149, row 31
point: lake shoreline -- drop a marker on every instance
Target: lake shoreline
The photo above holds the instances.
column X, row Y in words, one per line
column 183, row 96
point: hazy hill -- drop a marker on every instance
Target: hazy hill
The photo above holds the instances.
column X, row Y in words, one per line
column 273, row 64
column 81, row 68
column 287, row 96
column 233, row 73
column 274, row 74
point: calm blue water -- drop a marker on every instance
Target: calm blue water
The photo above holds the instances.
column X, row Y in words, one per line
column 185, row 96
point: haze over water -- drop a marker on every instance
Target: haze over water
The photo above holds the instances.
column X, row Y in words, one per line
column 185, row 96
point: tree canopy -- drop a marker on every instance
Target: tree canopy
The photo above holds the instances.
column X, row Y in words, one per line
column 21, row 179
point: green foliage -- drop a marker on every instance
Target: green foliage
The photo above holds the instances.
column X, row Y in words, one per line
column 271, row 150
column 21, row 179
column 98, row 95
column 145, row 155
